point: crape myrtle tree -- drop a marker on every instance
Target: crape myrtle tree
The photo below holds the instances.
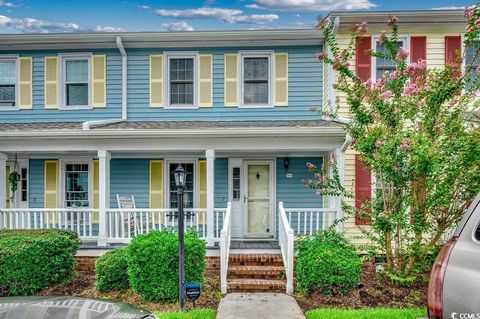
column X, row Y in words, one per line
column 417, row 129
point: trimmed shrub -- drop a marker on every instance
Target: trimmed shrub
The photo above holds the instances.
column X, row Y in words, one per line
column 153, row 263
column 327, row 263
column 31, row 260
column 112, row 271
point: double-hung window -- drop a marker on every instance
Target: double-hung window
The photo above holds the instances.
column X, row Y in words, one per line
column 470, row 59
column 256, row 80
column 8, row 83
column 181, row 80
column 76, row 81
column 382, row 65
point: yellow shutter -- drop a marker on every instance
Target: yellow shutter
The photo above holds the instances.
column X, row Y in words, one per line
column 156, row 184
column 7, row 183
column 231, row 80
column 99, row 81
column 156, row 81
column 51, row 183
column 51, row 83
column 206, row 83
column 281, row 79
column 203, row 183
column 25, row 83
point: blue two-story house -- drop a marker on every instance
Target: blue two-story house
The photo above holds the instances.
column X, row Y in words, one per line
column 93, row 125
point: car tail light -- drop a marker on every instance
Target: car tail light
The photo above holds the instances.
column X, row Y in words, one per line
column 435, row 286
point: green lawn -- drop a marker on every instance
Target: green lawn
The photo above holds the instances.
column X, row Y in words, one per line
column 377, row 313
column 193, row 314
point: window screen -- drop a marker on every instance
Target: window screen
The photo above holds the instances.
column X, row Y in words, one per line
column 255, row 75
column 8, row 79
column 76, row 82
column 181, row 81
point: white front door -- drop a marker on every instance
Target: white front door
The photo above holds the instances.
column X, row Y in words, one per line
column 258, row 198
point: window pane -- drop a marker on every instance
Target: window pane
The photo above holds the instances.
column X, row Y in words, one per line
column 189, row 186
column 384, row 65
column 256, row 69
column 181, row 69
column 76, row 185
column 7, row 72
column 77, row 94
column 7, row 95
column 181, row 93
column 77, row 70
column 256, row 93
column 469, row 56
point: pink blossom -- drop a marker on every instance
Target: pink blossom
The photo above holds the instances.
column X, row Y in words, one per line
column 469, row 12
column 379, row 143
column 319, row 191
column 376, row 117
column 405, row 144
column 368, row 83
column 411, row 68
column 422, row 102
column 440, row 127
column 311, row 165
column 478, row 23
column 322, row 55
column 411, row 89
column 421, row 64
column 394, row 75
column 361, row 27
column 392, row 20
column 324, row 178
column 478, row 69
column 395, row 169
column 346, row 65
column 402, row 54
column 336, row 64
column 385, row 95
column 383, row 36
column 343, row 53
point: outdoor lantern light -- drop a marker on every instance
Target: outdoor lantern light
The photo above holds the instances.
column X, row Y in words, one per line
column 286, row 162
column 180, row 176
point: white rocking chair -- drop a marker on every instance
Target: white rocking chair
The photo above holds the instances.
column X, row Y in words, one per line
column 128, row 202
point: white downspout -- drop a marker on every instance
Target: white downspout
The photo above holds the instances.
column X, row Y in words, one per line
column 89, row 124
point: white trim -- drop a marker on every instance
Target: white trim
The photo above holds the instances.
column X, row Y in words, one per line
column 166, row 75
column 16, row 201
column 15, row 58
column 405, row 38
column 166, row 180
column 63, row 57
column 244, row 186
column 256, row 54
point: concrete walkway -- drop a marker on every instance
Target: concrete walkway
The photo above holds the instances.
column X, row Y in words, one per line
column 259, row 306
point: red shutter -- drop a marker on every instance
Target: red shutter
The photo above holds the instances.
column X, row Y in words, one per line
column 363, row 58
column 418, row 48
column 453, row 44
column 363, row 187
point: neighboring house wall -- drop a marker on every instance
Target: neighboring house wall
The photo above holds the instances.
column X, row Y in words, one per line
column 435, row 57
column 304, row 89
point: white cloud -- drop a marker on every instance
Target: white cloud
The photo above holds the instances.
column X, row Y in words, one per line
column 27, row 25
column 311, row 5
column 448, row 8
column 222, row 14
column 177, row 26
column 4, row 3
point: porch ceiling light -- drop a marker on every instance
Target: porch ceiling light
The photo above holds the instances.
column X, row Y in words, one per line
column 180, row 176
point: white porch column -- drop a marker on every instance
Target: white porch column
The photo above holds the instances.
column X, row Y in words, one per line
column 210, row 156
column 103, row 195
column 340, row 157
column 3, row 178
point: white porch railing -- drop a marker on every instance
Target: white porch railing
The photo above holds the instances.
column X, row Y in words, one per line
column 308, row 221
column 286, row 241
column 79, row 220
column 225, row 238
column 122, row 224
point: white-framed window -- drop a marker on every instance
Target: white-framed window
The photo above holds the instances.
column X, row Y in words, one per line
column 256, row 86
column 470, row 53
column 182, row 84
column 77, row 185
column 9, row 82
column 380, row 65
column 190, row 191
column 76, row 80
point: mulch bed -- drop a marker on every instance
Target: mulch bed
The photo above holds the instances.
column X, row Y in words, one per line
column 84, row 286
column 373, row 291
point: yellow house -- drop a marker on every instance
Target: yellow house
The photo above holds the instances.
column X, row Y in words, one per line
column 432, row 35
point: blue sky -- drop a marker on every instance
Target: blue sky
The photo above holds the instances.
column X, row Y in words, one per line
column 22, row 16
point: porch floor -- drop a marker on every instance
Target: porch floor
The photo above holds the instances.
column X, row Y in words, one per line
column 256, row 244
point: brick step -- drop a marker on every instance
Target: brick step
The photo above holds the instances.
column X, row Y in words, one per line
column 256, row 272
column 256, row 285
column 255, row 260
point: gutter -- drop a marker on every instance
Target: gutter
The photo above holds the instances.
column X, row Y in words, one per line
column 90, row 124
column 346, row 144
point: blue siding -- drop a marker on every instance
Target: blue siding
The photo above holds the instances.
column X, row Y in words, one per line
column 221, row 182
column 305, row 90
column 291, row 191
column 36, row 183
column 130, row 177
